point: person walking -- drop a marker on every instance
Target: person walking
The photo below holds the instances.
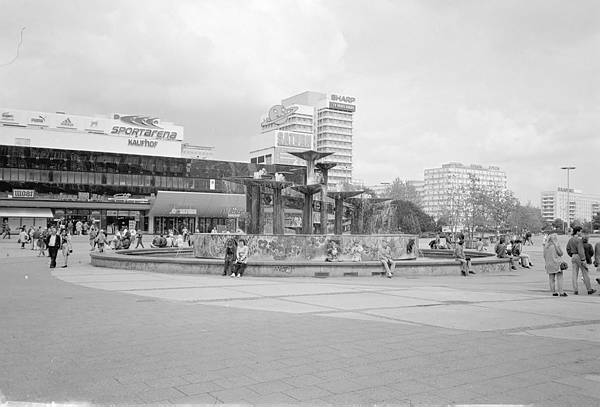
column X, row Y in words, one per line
column 576, row 252
column 53, row 244
column 553, row 259
column 92, row 236
column 67, row 248
column 23, row 237
column 242, row 259
column 41, row 243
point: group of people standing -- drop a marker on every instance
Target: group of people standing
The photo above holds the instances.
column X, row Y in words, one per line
column 582, row 255
column 50, row 239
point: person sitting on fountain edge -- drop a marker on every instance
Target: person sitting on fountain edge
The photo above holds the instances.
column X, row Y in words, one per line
column 385, row 257
column 465, row 261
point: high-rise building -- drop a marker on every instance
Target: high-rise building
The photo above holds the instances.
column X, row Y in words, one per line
column 310, row 120
column 581, row 206
column 443, row 185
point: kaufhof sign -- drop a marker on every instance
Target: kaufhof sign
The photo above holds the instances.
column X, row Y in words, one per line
column 131, row 126
column 343, row 103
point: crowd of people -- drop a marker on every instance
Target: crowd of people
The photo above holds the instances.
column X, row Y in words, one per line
column 50, row 239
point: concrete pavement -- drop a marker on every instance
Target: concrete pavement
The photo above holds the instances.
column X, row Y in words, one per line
column 111, row 336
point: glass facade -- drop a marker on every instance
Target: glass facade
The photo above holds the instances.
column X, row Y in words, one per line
column 92, row 177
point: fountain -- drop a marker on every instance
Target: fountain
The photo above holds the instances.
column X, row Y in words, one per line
column 306, row 254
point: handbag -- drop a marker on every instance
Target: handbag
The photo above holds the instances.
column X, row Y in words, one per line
column 564, row 265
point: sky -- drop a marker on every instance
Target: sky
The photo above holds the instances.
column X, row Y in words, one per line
column 511, row 83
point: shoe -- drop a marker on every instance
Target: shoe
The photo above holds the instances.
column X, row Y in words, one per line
column 513, row 267
column 564, row 295
column 224, row 274
column 472, row 272
column 238, row 275
column 63, row 266
column 555, row 294
column 592, row 291
column 232, row 275
column 598, row 280
column 463, row 273
column 530, row 265
column 389, row 275
column 575, row 292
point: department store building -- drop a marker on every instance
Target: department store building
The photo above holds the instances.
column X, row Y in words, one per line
column 115, row 171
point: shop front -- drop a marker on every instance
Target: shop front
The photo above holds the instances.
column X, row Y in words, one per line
column 15, row 218
column 196, row 212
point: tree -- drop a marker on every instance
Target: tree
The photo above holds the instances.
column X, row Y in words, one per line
column 402, row 190
column 558, row 224
column 526, row 218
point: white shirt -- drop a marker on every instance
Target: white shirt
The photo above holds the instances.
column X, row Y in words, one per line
column 52, row 241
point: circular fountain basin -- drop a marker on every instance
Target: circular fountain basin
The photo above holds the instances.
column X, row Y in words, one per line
column 430, row 263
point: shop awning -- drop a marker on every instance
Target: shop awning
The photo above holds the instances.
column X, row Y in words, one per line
column 25, row 213
column 201, row 204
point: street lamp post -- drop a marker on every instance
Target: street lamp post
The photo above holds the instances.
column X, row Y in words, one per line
column 568, row 168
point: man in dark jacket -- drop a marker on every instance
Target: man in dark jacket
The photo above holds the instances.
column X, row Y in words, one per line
column 53, row 244
column 576, row 251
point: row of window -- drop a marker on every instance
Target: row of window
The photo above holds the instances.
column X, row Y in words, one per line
column 110, row 179
column 339, row 115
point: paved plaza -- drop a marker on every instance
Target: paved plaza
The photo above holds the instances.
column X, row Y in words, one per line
column 105, row 336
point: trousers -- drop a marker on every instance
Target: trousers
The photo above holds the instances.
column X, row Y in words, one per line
column 579, row 264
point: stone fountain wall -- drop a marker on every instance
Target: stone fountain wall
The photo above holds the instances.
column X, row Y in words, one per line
column 302, row 248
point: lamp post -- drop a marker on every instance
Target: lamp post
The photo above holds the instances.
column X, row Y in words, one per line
column 568, row 168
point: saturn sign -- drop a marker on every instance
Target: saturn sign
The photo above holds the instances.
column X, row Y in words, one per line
column 278, row 114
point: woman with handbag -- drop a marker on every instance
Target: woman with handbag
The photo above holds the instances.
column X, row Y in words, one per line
column 554, row 265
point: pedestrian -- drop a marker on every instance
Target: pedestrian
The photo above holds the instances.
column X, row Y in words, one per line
column 67, row 248
column 53, row 244
column 23, row 237
column 597, row 257
column 30, row 238
column 92, row 236
column 100, row 241
column 230, row 256
column 502, row 253
column 465, row 261
column 588, row 249
column 385, row 257
column 241, row 260
column 138, row 239
column 576, row 252
column 5, row 230
column 41, row 242
column 553, row 259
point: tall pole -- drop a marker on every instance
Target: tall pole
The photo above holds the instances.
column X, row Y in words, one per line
column 568, row 196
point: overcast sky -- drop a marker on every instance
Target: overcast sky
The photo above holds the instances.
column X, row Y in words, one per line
column 508, row 83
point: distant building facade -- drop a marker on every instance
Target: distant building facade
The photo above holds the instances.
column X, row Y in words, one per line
column 442, row 185
column 580, row 206
column 309, row 120
column 196, row 152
